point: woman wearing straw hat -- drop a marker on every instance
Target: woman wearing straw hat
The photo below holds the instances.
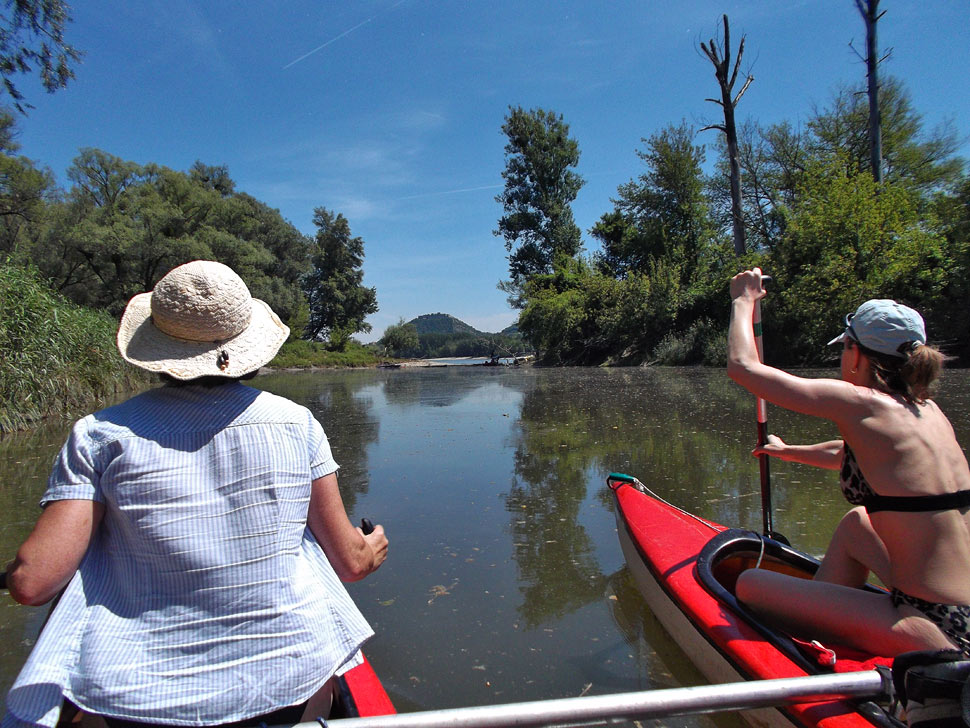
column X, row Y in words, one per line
column 900, row 465
column 199, row 532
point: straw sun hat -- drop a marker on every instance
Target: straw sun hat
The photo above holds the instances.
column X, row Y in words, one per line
column 200, row 320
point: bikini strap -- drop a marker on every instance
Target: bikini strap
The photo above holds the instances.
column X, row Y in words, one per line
column 917, row 503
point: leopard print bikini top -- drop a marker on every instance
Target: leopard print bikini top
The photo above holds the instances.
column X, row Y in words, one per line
column 858, row 492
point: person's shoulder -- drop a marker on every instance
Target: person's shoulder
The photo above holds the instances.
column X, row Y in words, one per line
column 266, row 405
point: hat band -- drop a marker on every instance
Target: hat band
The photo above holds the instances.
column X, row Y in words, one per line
column 202, row 332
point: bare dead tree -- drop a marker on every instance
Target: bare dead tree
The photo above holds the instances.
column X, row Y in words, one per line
column 726, row 76
column 869, row 10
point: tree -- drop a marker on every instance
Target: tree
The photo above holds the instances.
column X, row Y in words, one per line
column 923, row 161
column 24, row 193
column 124, row 225
column 772, row 161
column 869, row 10
column 850, row 239
column 540, row 186
column 720, row 57
column 400, row 339
column 663, row 213
column 32, row 32
column 338, row 300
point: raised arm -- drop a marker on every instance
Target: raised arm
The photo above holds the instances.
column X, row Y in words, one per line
column 352, row 554
column 47, row 560
column 833, row 399
column 826, row 455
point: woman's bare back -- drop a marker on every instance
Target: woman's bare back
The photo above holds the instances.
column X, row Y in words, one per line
column 909, row 449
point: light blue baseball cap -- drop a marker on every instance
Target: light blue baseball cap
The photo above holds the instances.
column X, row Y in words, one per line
column 884, row 326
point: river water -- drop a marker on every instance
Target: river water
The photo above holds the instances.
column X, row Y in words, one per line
column 505, row 581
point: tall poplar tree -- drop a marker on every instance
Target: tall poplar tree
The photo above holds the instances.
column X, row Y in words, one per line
column 338, row 300
column 540, row 186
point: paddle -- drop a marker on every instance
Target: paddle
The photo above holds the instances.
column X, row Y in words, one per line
column 762, row 416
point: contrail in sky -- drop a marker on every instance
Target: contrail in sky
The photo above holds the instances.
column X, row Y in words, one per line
column 450, row 192
column 335, row 39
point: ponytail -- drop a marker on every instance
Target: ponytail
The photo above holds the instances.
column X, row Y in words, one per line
column 912, row 377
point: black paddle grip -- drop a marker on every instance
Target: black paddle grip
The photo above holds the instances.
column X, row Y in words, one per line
column 3, row 579
column 366, row 526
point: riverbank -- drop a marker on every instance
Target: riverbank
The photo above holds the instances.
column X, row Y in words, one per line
column 58, row 358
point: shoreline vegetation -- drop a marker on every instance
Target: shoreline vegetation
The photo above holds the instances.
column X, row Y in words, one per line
column 60, row 359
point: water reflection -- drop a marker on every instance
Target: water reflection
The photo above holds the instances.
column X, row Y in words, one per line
column 505, row 580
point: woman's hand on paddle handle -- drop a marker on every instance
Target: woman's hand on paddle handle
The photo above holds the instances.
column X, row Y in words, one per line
column 376, row 539
column 826, row 455
column 774, row 446
column 749, row 284
column 352, row 553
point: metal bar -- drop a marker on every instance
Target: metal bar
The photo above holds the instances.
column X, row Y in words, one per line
column 638, row 705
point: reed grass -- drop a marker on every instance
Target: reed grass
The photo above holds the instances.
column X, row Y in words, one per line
column 56, row 358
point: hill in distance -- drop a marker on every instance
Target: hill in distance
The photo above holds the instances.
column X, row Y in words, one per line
column 446, row 324
column 441, row 323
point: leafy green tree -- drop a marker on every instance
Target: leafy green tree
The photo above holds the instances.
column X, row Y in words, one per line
column 923, row 161
column 951, row 327
column 338, row 300
column 124, row 225
column 212, row 177
column 772, row 161
column 662, row 214
column 32, row 32
column 25, row 191
column 400, row 339
column 540, row 186
column 848, row 240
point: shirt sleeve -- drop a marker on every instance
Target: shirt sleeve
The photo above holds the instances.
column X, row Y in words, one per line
column 75, row 475
column 321, row 458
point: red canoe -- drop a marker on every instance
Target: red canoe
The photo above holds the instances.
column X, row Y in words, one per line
column 361, row 694
column 686, row 567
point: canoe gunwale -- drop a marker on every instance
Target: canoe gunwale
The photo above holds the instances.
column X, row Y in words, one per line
column 737, row 540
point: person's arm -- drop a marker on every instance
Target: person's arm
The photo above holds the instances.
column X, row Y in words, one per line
column 826, row 455
column 833, row 399
column 53, row 551
column 352, row 554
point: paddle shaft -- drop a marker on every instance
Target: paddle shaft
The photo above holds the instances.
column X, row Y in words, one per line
column 638, row 705
column 762, row 416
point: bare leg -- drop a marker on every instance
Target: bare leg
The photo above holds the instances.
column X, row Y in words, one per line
column 319, row 704
column 854, row 551
column 838, row 614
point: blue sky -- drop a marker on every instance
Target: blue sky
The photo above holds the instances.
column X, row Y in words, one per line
column 390, row 111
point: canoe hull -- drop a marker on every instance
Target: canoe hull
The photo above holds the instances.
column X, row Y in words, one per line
column 695, row 644
column 362, row 694
column 662, row 546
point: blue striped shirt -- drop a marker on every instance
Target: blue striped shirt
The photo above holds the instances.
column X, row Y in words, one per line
column 203, row 597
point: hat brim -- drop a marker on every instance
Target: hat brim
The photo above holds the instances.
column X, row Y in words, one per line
column 838, row 339
column 145, row 346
